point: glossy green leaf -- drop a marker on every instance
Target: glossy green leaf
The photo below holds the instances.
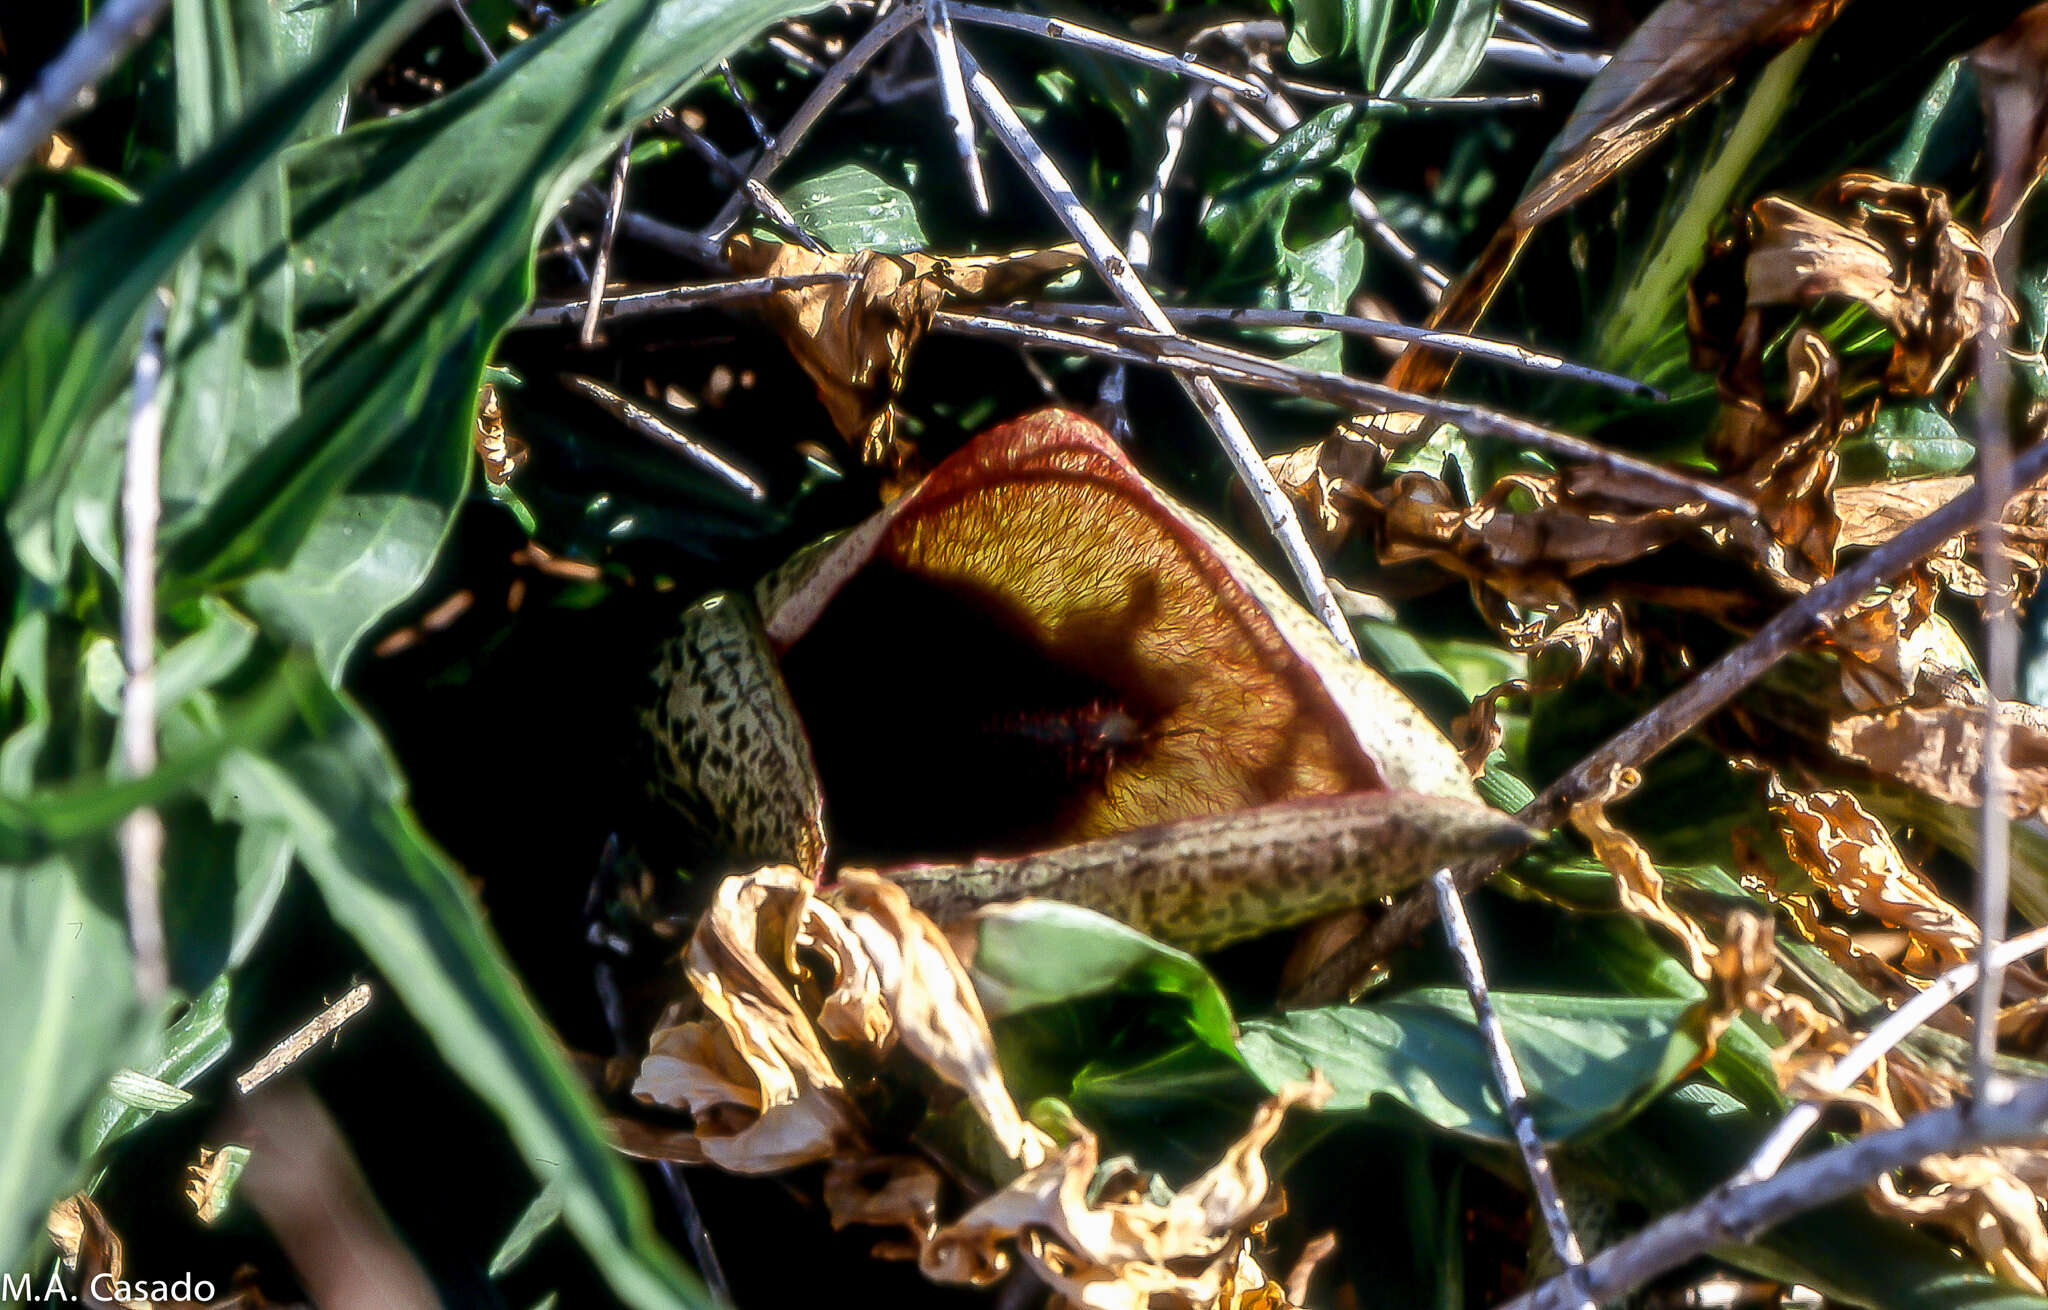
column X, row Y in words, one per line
column 1039, row 953
column 419, row 230
column 1908, row 439
column 1447, row 52
column 849, row 208
column 1588, row 1060
column 71, row 1019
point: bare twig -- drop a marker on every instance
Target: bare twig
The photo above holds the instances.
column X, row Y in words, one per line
column 1206, row 360
column 289, row 1051
column 142, row 830
column 1103, row 43
column 753, row 117
column 1417, row 105
column 1315, row 320
column 476, row 34
column 647, row 424
column 600, row 265
column 1139, row 249
column 1861, row 1058
column 1737, row 1212
column 1508, row 1078
column 1685, row 709
column 1557, row 15
column 67, row 84
column 2001, row 660
column 1112, row 266
column 778, row 214
column 672, row 299
column 1525, row 57
column 795, row 55
column 829, row 88
column 693, row 246
column 938, row 19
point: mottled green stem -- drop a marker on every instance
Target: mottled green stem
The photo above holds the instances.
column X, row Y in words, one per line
column 1204, row 883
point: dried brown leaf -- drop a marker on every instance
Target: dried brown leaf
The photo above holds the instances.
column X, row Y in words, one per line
column 1939, row 750
column 854, row 337
column 1872, row 515
column 1636, row 880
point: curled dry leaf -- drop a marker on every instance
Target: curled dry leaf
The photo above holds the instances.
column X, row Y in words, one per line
column 501, row 452
column 854, row 337
column 1677, row 59
column 1636, row 880
column 1871, row 515
column 1890, row 246
column 1939, row 749
column 1850, row 855
column 780, row 973
column 1126, row 1251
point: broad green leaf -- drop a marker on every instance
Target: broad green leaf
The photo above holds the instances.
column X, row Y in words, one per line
column 1266, row 243
column 1039, row 953
column 70, row 1021
column 1907, row 439
column 66, row 339
column 1588, row 1060
column 849, row 208
column 339, row 797
column 419, row 232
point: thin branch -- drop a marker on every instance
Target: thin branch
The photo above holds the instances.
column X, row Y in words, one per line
column 1524, row 57
column 1861, row 1058
column 2001, row 660
column 600, row 266
column 795, row 55
column 753, row 117
column 829, row 88
column 1206, row 360
column 1112, row 266
column 476, row 34
column 1557, row 15
column 293, row 1048
column 1315, row 320
column 1417, row 105
column 673, row 299
column 778, row 214
column 67, row 84
column 693, row 246
column 142, row 830
column 1139, row 249
column 1684, row 710
column 1735, row 1213
column 1104, row 43
column 647, row 424
column 1508, row 1078
column 938, row 19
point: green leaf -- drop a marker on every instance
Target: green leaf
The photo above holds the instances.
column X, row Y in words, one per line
column 849, row 208
column 1587, row 1059
column 419, row 231
column 194, row 1044
column 1039, row 953
column 70, row 1021
column 1447, row 52
column 337, row 794
column 66, row 339
column 1908, row 439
